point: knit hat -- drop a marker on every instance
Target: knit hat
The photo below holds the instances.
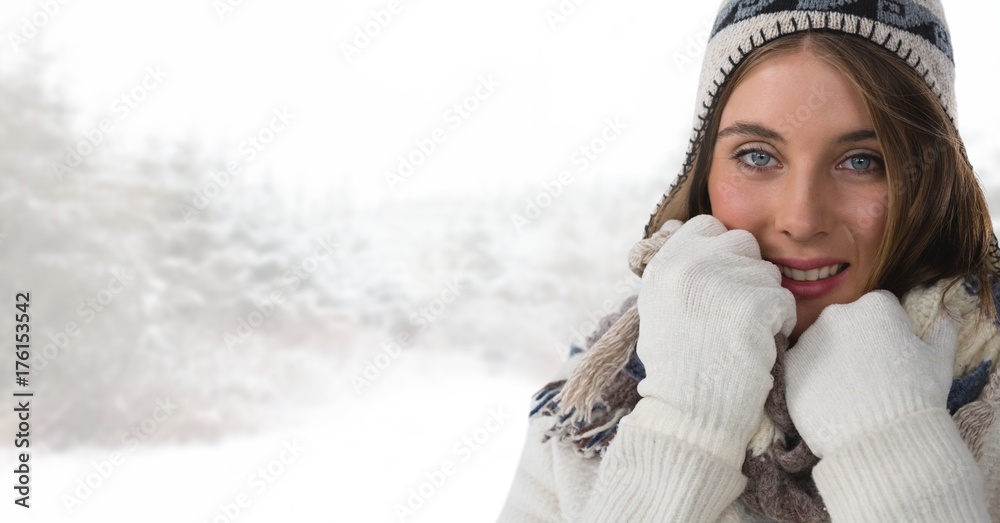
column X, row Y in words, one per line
column 914, row 30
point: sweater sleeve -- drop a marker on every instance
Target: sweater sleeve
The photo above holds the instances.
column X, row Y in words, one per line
column 643, row 476
column 989, row 462
column 549, row 480
column 916, row 469
column 648, row 475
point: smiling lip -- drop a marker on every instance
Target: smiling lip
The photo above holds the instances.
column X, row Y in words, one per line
column 815, row 288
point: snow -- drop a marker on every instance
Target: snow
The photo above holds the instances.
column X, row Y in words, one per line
column 344, row 471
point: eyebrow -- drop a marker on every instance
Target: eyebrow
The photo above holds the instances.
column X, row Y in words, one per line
column 750, row 129
column 857, row 136
column 760, row 131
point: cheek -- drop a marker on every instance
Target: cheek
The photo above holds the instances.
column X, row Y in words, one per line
column 734, row 203
column 869, row 224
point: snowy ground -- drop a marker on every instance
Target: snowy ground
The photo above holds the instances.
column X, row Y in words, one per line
column 441, row 412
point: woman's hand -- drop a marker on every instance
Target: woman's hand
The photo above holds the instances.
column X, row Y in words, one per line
column 861, row 367
column 709, row 310
column 869, row 397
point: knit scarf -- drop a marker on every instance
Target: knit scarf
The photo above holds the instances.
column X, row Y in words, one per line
column 586, row 407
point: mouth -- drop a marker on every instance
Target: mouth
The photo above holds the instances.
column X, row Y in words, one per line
column 821, row 273
column 808, row 279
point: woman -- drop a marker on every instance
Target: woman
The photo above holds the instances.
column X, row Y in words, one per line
column 817, row 331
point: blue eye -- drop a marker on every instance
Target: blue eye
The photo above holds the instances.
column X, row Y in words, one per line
column 757, row 158
column 862, row 162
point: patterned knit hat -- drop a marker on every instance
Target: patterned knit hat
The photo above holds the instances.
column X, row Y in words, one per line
column 915, row 30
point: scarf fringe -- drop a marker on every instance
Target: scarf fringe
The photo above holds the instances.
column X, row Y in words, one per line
column 975, row 419
column 589, row 438
column 599, row 365
column 613, row 349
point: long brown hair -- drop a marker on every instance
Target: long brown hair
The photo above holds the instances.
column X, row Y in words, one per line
column 938, row 224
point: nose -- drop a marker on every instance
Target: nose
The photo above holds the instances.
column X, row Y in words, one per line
column 803, row 209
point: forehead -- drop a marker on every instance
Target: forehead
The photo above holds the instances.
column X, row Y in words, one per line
column 795, row 91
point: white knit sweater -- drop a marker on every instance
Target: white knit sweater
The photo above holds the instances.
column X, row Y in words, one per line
column 647, row 476
column 554, row 483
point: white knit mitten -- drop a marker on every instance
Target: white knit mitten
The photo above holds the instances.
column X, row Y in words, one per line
column 869, row 397
column 709, row 310
column 861, row 366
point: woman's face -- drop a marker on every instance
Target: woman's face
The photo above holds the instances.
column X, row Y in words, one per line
column 796, row 163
